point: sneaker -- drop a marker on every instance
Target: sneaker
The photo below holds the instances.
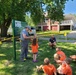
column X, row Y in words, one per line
column 35, row 61
column 28, row 58
column 22, row 60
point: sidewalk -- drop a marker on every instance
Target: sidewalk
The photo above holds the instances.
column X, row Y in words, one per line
column 59, row 40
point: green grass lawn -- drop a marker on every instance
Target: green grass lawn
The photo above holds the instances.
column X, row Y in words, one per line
column 59, row 35
column 47, row 33
column 10, row 67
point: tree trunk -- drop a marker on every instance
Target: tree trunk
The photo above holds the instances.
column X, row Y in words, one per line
column 3, row 31
column 4, row 27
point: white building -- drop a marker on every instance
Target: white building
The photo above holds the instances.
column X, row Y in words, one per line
column 69, row 22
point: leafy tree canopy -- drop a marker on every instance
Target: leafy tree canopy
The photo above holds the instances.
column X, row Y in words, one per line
column 16, row 9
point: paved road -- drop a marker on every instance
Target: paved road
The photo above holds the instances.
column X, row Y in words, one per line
column 71, row 35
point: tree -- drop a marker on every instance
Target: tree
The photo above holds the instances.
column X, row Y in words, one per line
column 55, row 9
column 16, row 9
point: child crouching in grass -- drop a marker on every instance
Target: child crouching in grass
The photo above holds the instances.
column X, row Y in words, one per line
column 65, row 68
column 34, row 47
column 48, row 68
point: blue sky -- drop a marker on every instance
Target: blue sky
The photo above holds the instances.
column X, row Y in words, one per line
column 70, row 7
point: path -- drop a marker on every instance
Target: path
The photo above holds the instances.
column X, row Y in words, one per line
column 71, row 35
column 59, row 40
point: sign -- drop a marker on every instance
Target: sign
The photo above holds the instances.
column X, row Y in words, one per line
column 65, row 34
column 17, row 27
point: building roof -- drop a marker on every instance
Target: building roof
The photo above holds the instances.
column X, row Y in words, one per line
column 70, row 17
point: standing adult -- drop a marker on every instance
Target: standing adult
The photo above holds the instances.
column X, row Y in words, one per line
column 24, row 37
column 52, row 41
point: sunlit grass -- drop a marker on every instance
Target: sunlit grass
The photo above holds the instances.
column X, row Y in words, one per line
column 2, row 55
column 53, row 32
column 10, row 67
column 1, row 65
column 6, row 45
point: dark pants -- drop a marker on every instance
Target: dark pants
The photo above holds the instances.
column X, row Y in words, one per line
column 24, row 50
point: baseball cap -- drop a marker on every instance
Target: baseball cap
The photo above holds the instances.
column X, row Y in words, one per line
column 28, row 27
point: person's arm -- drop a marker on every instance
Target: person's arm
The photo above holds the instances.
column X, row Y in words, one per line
column 59, row 70
column 39, row 67
column 50, row 40
column 37, row 45
column 54, row 39
column 55, row 73
column 27, row 37
column 58, row 61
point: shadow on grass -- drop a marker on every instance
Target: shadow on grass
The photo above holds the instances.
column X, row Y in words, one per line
column 28, row 67
column 10, row 67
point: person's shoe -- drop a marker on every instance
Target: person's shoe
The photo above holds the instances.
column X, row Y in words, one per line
column 28, row 58
column 22, row 60
column 35, row 61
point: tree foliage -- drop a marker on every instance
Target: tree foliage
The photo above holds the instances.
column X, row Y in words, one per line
column 16, row 9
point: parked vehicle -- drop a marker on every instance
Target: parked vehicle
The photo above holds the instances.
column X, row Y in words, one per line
column 33, row 31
